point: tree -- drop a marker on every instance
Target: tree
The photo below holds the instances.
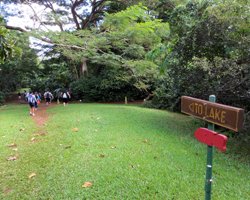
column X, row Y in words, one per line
column 207, row 53
column 235, row 14
column 17, row 72
column 7, row 44
column 117, row 48
column 78, row 14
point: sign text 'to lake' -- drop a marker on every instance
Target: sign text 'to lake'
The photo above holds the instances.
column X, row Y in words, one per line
column 222, row 115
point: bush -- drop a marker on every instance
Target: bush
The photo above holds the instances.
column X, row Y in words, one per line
column 104, row 89
column 2, row 98
column 201, row 78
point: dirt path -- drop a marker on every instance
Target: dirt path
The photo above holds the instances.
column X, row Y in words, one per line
column 41, row 116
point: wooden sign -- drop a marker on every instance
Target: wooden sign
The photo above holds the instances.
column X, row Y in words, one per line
column 222, row 115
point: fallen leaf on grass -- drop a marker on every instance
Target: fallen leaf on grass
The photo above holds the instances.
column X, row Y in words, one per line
column 12, row 145
column 11, row 158
column 33, row 139
column 14, row 149
column 145, row 141
column 75, row 129
column 41, row 133
column 21, row 129
column 134, row 166
column 87, row 184
column 32, row 175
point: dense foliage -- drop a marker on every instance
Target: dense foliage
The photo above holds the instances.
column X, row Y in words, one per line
column 204, row 54
column 7, row 43
column 21, row 69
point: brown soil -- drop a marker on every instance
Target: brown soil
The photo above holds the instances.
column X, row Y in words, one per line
column 40, row 119
column 41, row 116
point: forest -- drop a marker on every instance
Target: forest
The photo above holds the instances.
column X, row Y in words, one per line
column 104, row 51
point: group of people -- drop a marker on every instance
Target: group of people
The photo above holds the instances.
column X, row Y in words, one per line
column 34, row 99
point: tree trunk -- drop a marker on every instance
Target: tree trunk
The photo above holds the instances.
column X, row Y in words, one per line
column 84, row 68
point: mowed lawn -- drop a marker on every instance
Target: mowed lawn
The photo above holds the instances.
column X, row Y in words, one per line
column 125, row 152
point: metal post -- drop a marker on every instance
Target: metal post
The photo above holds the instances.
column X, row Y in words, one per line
column 208, row 183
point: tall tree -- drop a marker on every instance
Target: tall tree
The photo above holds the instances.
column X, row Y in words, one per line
column 65, row 14
column 73, row 15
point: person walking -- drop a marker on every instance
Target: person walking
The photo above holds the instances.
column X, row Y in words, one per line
column 48, row 97
column 38, row 100
column 65, row 97
column 32, row 101
column 19, row 97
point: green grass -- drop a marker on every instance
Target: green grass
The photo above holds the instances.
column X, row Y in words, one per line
column 145, row 154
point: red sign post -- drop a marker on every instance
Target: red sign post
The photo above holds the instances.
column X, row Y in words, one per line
column 211, row 138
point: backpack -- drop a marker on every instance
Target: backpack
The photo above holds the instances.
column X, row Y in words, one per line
column 65, row 95
column 37, row 97
column 47, row 95
column 31, row 98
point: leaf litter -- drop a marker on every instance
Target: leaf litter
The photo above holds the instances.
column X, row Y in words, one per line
column 12, row 158
column 12, row 145
column 21, row 129
column 32, row 175
column 87, row 184
column 75, row 129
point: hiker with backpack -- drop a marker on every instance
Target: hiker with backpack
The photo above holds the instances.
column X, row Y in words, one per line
column 38, row 100
column 48, row 97
column 65, row 97
column 32, row 101
column 26, row 95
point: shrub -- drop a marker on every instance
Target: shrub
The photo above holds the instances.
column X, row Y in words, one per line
column 2, row 98
column 104, row 89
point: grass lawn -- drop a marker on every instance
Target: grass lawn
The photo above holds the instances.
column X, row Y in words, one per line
column 126, row 152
